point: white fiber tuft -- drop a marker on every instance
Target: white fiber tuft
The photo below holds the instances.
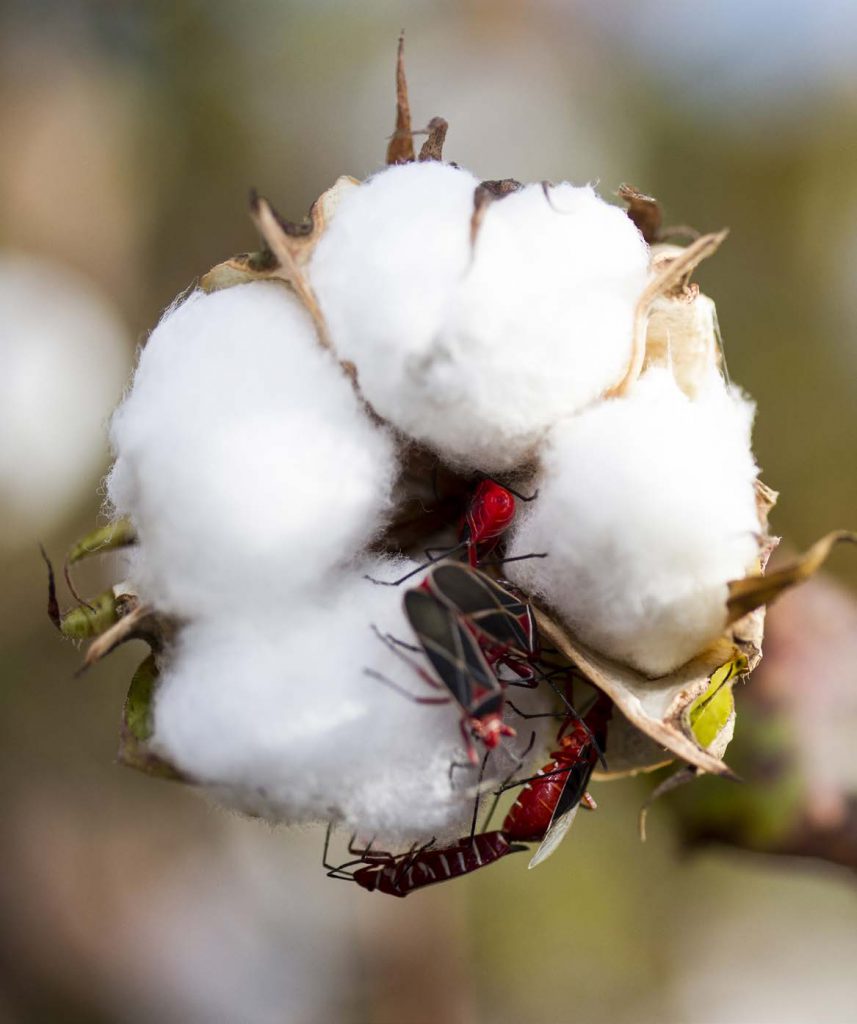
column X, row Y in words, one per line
column 243, row 456
column 647, row 509
column 277, row 713
column 476, row 348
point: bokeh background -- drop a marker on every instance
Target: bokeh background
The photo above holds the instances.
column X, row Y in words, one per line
column 130, row 133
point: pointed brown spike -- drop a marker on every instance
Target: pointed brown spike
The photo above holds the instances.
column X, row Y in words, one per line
column 433, row 146
column 286, row 250
column 644, row 211
column 401, row 146
column 53, row 604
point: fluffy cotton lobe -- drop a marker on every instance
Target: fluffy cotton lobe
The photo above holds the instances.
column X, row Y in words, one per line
column 647, row 509
column 243, row 456
column 476, row 342
column 278, row 714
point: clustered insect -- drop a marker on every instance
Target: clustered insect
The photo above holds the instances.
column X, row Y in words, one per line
column 542, row 813
column 406, row 333
column 470, row 627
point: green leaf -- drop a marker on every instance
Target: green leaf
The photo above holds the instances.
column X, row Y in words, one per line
column 91, row 619
column 138, row 725
column 119, row 534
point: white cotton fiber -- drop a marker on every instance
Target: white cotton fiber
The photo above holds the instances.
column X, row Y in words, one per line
column 647, row 509
column 276, row 713
column 243, row 456
column 542, row 324
column 476, row 349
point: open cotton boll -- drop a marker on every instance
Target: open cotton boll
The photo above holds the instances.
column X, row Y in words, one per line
column 477, row 350
column 386, row 268
column 647, row 509
column 541, row 326
column 243, row 457
column 385, row 273
column 277, row 713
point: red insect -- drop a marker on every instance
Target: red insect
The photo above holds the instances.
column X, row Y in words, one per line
column 500, row 619
column 404, row 873
column 543, row 813
column 460, row 666
column 548, row 803
column 488, row 515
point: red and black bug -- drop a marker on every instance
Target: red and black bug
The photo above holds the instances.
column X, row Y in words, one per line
column 503, row 623
column 459, row 665
column 500, row 619
column 548, row 802
column 542, row 813
column 404, row 873
column 488, row 515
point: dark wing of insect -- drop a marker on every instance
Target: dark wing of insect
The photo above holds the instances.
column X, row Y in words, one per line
column 495, row 611
column 450, row 648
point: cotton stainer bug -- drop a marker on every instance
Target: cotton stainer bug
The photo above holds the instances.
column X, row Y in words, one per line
column 401, row 874
column 501, row 621
column 542, row 813
column 454, row 654
column 488, row 516
column 548, row 803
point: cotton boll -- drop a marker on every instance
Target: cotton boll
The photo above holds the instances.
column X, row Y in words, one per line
column 476, row 349
column 65, row 354
column 243, row 456
column 542, row 324
column 647, row 509
column 385, row 273
column 278, row 714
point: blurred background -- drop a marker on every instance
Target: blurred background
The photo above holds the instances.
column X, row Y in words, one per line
column 131, row 133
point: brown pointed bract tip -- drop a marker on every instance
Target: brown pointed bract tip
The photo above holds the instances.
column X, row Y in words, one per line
column 433, row 146
column 401, row 146
column 644, row 211
column 53, row 604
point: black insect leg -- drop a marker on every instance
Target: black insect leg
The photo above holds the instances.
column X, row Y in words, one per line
column 419, row 568
column 373, row 674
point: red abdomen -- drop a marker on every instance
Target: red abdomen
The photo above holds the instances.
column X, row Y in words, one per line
column 530, row 815
column 409, row 872
column 491, row 512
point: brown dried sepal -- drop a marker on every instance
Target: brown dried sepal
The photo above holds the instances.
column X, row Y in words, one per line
column 432, row 148
column 656, row 707
column 400, row 149
column 288, row 250
column 664, row 280
column 752, row 592
column 645, row 212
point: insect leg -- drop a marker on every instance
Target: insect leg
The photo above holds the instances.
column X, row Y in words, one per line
column 401, row 690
